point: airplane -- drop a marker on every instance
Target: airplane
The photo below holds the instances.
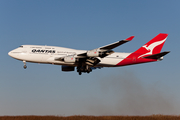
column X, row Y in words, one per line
column 88, row 60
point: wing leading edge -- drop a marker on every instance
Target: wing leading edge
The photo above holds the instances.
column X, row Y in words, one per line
column 116, row 44
column 105, row 50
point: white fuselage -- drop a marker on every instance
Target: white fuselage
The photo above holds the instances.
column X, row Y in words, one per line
column 87, row 60
column 48, row 54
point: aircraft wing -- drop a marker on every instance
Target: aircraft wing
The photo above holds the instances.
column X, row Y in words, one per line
column 105, row 50
column 116, row 44
column 90, row 57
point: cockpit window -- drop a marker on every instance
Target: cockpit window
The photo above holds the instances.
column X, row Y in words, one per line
column 21, row 46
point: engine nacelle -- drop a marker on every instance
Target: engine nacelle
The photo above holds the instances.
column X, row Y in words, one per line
column 92, row 53
column 70, row 59
column 67, row 68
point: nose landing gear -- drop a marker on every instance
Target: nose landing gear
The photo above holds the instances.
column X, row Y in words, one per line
column 24, row 65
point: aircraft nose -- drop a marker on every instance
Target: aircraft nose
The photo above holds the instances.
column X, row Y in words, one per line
column 10, row 53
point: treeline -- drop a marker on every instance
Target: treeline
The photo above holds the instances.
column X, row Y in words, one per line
column 152, row 117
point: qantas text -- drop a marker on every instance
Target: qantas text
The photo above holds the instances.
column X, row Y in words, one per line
column 43, row 51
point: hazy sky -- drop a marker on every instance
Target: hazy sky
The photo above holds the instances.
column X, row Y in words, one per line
column 143, row 89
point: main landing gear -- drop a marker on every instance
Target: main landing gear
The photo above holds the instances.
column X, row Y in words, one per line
column 24, row 65
column 85, row 69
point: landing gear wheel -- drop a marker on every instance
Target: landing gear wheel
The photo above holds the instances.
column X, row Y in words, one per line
column 24, row 66
column 80, row 73
column 89, row 70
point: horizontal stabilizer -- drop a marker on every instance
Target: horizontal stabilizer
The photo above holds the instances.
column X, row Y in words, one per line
column 157, row 56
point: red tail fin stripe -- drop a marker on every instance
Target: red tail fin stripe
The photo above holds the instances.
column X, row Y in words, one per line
column 154, row 46
column 151, row 48
column 159, row 37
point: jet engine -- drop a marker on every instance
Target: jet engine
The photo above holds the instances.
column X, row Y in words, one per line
column 96, row 53
column 70, row 59
column 67, row 68
column 92, row 53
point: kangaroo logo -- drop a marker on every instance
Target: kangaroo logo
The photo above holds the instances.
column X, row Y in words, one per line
column 151, row 47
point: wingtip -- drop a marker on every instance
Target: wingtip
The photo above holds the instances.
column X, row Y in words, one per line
column 130, row 38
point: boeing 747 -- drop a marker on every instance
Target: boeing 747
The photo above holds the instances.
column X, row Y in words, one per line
column 87, row 60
